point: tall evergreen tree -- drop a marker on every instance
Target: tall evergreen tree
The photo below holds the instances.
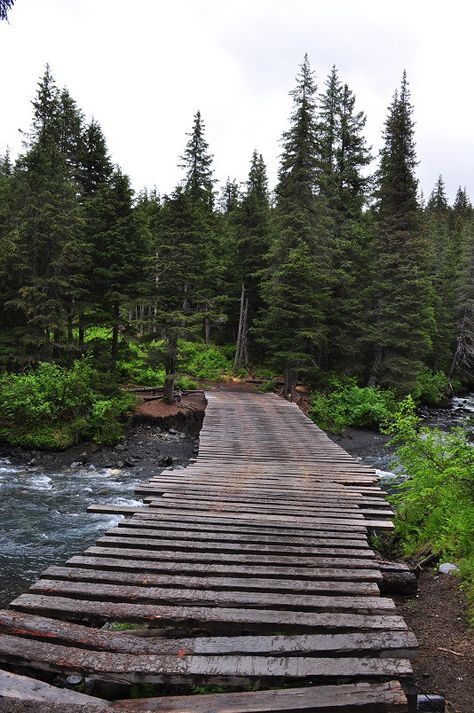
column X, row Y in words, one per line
column 199, row 186
column 462, row 363
column 342, row 181
column 95, row 165
column 180, row 288
column 5, row 7
column 252, row 225
column 444, row 265
column 118, row 253
column 197, row 163
column 401, row 319
column 294, row 323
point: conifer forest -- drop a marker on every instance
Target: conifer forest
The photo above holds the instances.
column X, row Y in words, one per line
column 339, row 270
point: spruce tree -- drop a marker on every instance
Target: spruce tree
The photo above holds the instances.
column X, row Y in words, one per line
column 444, row 267
column 401, row 319
column 197, row 163
column 180, row 287
column 198, row 184
column 5, row 7
column 462, row 363
column 252, row 226
column 344, row 156
column 294, row 322
column 95, row 167
column 118, row 253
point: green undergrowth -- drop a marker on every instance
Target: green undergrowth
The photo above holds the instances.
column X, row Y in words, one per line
column 143, row 363
column 435, row 505
column 53, row 407
column 346, row 404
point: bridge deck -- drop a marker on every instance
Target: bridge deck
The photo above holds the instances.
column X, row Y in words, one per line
column 251, row 568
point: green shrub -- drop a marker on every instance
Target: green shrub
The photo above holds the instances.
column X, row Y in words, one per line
column 431, row 387
column 54, row 407
column 267, row 386
column 435, row 505
column 350, row 405
column 185, row 383
column 203, row 361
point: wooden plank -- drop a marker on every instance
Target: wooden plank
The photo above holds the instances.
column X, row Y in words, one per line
column 154, row 668
column 155, row 542
column 387, row 697
column 190, row 524
column 16, row 688
column 104, row 558
column 290, row 586
column 54, row 631
column 74, row 609
column 231, row 558
column 136, row 528
column 260, row 521
column 213, row 598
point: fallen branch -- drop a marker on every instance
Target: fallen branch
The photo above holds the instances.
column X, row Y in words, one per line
column 449, row 651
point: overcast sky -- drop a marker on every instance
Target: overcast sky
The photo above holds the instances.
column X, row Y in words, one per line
column 143, row 67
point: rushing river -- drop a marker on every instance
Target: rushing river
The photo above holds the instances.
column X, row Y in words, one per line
column 460, row 413
column 43, row 518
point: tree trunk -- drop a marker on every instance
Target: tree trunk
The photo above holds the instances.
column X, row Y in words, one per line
column 207, row 326
column 81, row 332
column 115, row 331
column 170, row 368
column 290, row 384
column 241, row 345
column 376, row 364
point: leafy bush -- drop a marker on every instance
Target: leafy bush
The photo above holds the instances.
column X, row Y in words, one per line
column 267, row 386
column 435, row 505
column 54, row 407
column 431, row 387
column 203, row 361
column 350, row 405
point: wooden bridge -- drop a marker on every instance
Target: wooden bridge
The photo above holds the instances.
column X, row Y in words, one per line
column 249, row 570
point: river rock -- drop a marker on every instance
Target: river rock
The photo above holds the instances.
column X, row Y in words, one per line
column 167, row 460
column 92, row 467
column 129, row 462
column 76, row 464
column 120, row 447
column 447, row 568
column 172, row 431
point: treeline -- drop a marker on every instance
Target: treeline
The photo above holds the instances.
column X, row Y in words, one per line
column 336, row 271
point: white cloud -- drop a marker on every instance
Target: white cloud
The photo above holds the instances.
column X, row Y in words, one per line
column 143, row 69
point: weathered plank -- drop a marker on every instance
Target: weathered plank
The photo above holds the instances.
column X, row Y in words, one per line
column 117, row 559
column 78, row 609
column 119, row 539
column 269, row 584
column 54, row 631
column 230, row 557
column 156, row 668
column 363, row 697
column 209, row 597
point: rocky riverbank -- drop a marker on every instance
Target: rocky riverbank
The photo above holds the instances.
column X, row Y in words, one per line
column 159, row 435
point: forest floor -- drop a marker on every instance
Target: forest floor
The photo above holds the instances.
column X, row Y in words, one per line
column 445, row 662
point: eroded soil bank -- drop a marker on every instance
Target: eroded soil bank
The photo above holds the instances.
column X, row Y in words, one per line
column 148, row 443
